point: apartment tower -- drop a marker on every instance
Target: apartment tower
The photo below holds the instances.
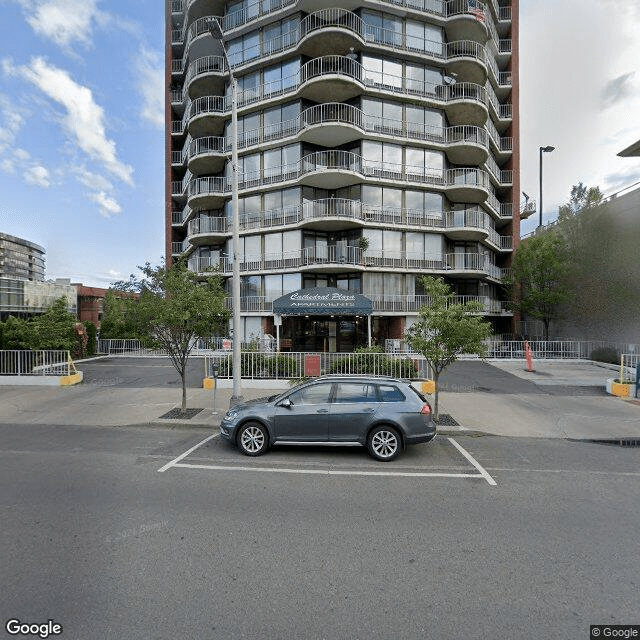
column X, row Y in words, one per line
column 378, row 142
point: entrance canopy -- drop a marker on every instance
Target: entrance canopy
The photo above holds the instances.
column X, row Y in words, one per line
column 323, row 301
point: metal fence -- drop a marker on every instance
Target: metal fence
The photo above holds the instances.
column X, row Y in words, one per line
column 295, row 365
column 628, row 366
column 36, row 363
column 542, row 349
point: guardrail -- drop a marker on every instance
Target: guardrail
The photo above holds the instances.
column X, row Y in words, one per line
column 293, row 365
column 629, row 363
column 43, row 362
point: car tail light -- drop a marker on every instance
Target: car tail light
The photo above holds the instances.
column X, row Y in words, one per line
column 426, row 410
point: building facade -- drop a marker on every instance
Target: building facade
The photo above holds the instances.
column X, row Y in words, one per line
column 378, row 142
column 21, row 259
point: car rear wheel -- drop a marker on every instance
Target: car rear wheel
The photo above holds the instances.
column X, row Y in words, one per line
column 253, row 439
column 384, row 443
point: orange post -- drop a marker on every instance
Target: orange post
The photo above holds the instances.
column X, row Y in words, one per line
column 529, row 355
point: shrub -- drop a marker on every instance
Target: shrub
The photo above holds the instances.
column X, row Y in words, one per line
column 368, row 360
column 606, row 354
column 92, row 332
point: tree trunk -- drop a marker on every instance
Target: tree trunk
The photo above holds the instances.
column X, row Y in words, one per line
column 184, row 390
column 436, row 415
column 546, row 329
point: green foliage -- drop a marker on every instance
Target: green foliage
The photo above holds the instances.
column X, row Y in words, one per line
column 173, row 309
column 92, row 333
column 117, row 322
column 606, row 354
column 446, row 330
column 538, row 283
column 54, row 329
column 15, row 333
column 366, row 360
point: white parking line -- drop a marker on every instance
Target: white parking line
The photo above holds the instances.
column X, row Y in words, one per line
column 474, row 462
column 176, row 462
column 330, row 472
column 182, row 456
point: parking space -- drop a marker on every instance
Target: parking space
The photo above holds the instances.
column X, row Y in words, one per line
column 444, row 457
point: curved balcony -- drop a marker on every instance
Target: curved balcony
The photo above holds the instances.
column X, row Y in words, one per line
column 208, row 193
column 337, row 214
column 207, row 155
column 384, row 304
column 206, row 76
column 207, row 115
column 467, row 20
column 334, row 258
column 334, row 169
column 207, row 230
column 343, row 78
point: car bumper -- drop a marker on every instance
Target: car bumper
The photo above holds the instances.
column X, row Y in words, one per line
column 424, row 437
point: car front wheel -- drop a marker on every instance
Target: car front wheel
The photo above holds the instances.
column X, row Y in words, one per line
column 384, row 443
column 253, row 439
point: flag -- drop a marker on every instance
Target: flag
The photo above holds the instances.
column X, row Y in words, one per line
column 477, row 9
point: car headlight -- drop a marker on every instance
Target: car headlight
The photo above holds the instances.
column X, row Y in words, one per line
column 231, row 415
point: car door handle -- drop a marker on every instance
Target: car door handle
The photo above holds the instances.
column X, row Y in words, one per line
column 368, row 410
column 322, row 411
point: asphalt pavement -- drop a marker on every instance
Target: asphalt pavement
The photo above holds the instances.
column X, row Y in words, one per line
column 558, row 400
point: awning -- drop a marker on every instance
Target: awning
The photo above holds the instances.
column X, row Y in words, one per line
column 323, row 301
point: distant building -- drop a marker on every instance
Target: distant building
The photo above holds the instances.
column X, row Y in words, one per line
column 21, row 259
column 23, row 290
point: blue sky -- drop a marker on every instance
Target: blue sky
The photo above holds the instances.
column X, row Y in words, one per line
column 81, row 120
column 81, row 133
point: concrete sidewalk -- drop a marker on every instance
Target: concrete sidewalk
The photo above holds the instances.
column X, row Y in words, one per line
column 559, row 401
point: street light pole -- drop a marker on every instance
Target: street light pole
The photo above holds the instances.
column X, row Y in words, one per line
column 542, row 150
column 216, row 31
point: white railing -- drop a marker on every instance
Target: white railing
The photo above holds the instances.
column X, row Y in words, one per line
column 381, row 303
column 339, row 113
column 629, row 363
column 350, row 69
column 49, row 362
column 351, row 255
column 335, row 160
column 293, row 365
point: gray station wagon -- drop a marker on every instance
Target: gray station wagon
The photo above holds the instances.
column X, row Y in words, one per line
column 383, row 414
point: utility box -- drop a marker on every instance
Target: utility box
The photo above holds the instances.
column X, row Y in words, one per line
column 311, row 365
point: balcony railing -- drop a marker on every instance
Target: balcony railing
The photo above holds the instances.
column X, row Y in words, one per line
column 346, row 68
column 341, row 255
column 334, row 160
column 381, row 303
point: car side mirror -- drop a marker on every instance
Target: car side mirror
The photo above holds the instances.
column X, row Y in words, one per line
column 286, row 403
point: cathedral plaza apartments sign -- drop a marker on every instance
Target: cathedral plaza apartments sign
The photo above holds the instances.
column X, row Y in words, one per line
column 323, row 301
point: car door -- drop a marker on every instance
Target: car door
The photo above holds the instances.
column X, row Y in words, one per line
column 305, row 417
column 352, row 411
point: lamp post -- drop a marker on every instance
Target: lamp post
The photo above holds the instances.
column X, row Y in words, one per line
column 216, row 32
column 542, row 150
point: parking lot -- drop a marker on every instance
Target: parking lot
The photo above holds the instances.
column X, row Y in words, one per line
column 444, row 457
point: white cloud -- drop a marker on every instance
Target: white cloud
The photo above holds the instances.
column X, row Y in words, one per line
column 38, row 175
column 65, row 22
column 108, row 205
column 13, row 159
column 150, row 70
column 576, row 58
column 84, row 120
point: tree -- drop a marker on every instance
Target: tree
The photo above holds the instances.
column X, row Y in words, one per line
column 54, row 329
column 538, row 282
column 577, row 215
column 173, row 310
column 446, row 330
column 116, row 323
column 15, row 333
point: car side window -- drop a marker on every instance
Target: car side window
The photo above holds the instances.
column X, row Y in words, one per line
column 347, row 392
column 315, row 394
column 389, row 393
